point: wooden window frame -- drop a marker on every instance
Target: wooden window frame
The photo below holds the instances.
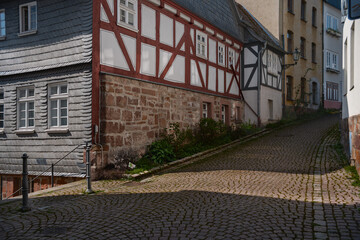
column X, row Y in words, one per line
column 27, row 100
column 58, row 97
column 26, row 30
column 127, row 10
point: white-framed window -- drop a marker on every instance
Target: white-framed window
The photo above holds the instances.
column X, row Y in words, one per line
column 127, row 13
column 332, row 22
column 201, row 44
column 221, row 54
column 58, row 105
column 231, row 58
column 206, row 108
column 2, row 23
column 26, row 108
column 28, row 17
column 2, row 109
column 332, row 91
column 332, row 60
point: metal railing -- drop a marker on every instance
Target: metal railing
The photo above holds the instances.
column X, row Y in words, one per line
column 25, row 183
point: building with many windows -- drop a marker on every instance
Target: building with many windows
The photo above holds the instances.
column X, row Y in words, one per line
column 351, row 83
column 332, row 54
column 297, row 24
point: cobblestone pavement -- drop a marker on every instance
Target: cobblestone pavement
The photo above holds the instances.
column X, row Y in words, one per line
column 286, row 185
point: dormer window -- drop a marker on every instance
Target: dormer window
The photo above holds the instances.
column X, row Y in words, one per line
column 28, row 17
column 127, row 13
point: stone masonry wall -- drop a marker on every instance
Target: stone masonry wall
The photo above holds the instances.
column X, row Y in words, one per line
column 134, row 113
column 352, row 124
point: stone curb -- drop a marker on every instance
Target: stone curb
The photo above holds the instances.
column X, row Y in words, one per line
column 197, row 156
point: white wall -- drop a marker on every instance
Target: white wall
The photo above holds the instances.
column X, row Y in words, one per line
column 333, row 44
column 352, row 98
column 274, row 95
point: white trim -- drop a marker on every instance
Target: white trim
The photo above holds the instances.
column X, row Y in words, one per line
column 30, row 30
column 219, row 36
column 128, row 11
column 185, row 17
column 58, row 97
column 170, row 9
column 26, row 99
column 228, row 41
column 237, row 46
column 156, row 2
column 202, row 44
column 212, row 32
column 198, row 24
column 220, row 45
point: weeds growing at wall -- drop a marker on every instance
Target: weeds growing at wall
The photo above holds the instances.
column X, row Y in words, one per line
column 177, row 143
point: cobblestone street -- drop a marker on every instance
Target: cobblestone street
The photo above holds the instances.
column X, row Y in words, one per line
column 286, row 185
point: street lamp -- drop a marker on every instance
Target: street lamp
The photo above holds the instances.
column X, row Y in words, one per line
column 296, row 56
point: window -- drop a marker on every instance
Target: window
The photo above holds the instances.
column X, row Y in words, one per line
column 332, row 23
column 332, row 91
column 2, row 110
column 58, row 105
column 314, row 13
column 313, row 52
column 303, row 10
column 314, row 92
column 290, row 41
column 127, row 13
column 28, row 17
column 332, row 61
column 231, row 58
column 221, row 53
column 303, row 89
column 2, row 24
column 224, row 113
column 201, row 44
column 206, row 110
column 289, row 84
column 302, row 47
column 291, row 6
column 26, row 109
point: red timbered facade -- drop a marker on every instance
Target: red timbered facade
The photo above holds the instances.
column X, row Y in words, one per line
column 161, row 43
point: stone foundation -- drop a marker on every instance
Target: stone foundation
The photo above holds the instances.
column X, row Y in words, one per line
column 134, row 113
column 352, row 146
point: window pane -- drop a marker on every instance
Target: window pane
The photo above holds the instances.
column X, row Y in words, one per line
column 3, row 32
column 63, row 104
column 122, row 16
column 53, row 122
column 53, row 104
column 131, row 19
column 63, row 121
column 31, row 106
column 2, row 16
column 22, row 93
column 22, row 106
column 63, row 113
column 33, row 17
column 31, row 114
column 1, row 116
column 1, row 95
column 123, row 2
column 53, row 90
column 31, row 123
column 22, row 114
column 53, row 113
column 22, row 123
column 1, row 124
column 131, row 6
column 1, row 107
column 63, row 89
column 25, row 18
column 31, row 93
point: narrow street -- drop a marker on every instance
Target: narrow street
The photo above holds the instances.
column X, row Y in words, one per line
column 286, row 185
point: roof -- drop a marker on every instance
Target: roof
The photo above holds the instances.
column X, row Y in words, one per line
column 334, row 3
column 221, row 14
column 258, row 29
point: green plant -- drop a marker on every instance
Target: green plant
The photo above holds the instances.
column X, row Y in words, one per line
column 161, row 152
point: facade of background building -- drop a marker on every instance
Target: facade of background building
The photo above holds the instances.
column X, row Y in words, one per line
column 296, row 24
column 351, row 87
column 332, row 54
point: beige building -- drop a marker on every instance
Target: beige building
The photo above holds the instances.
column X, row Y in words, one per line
column 296, row 24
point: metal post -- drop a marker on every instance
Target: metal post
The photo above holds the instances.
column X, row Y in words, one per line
column 52, row 175
column 25, row 198
column 88, row 170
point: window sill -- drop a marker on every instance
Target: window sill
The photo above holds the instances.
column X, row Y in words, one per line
column 24, row 131
column 291, row 12
column 304, row 20
column 314, row 62
column 314, row 26
column 332, row 70
column 2, row 131
column 134, row 29
column 23, row 34
column 333, row 32
column 57, row 130
column 2, row 38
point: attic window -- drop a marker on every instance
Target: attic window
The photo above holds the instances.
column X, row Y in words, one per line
column 201, row 44
column 28, row 17
column 127, row 14
column 221, row 54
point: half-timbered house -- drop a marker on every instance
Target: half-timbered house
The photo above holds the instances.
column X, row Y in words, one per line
column 262, row 82
column 158, row 62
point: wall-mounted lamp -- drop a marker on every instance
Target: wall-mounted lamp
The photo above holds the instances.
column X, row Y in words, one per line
column 296, row 56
